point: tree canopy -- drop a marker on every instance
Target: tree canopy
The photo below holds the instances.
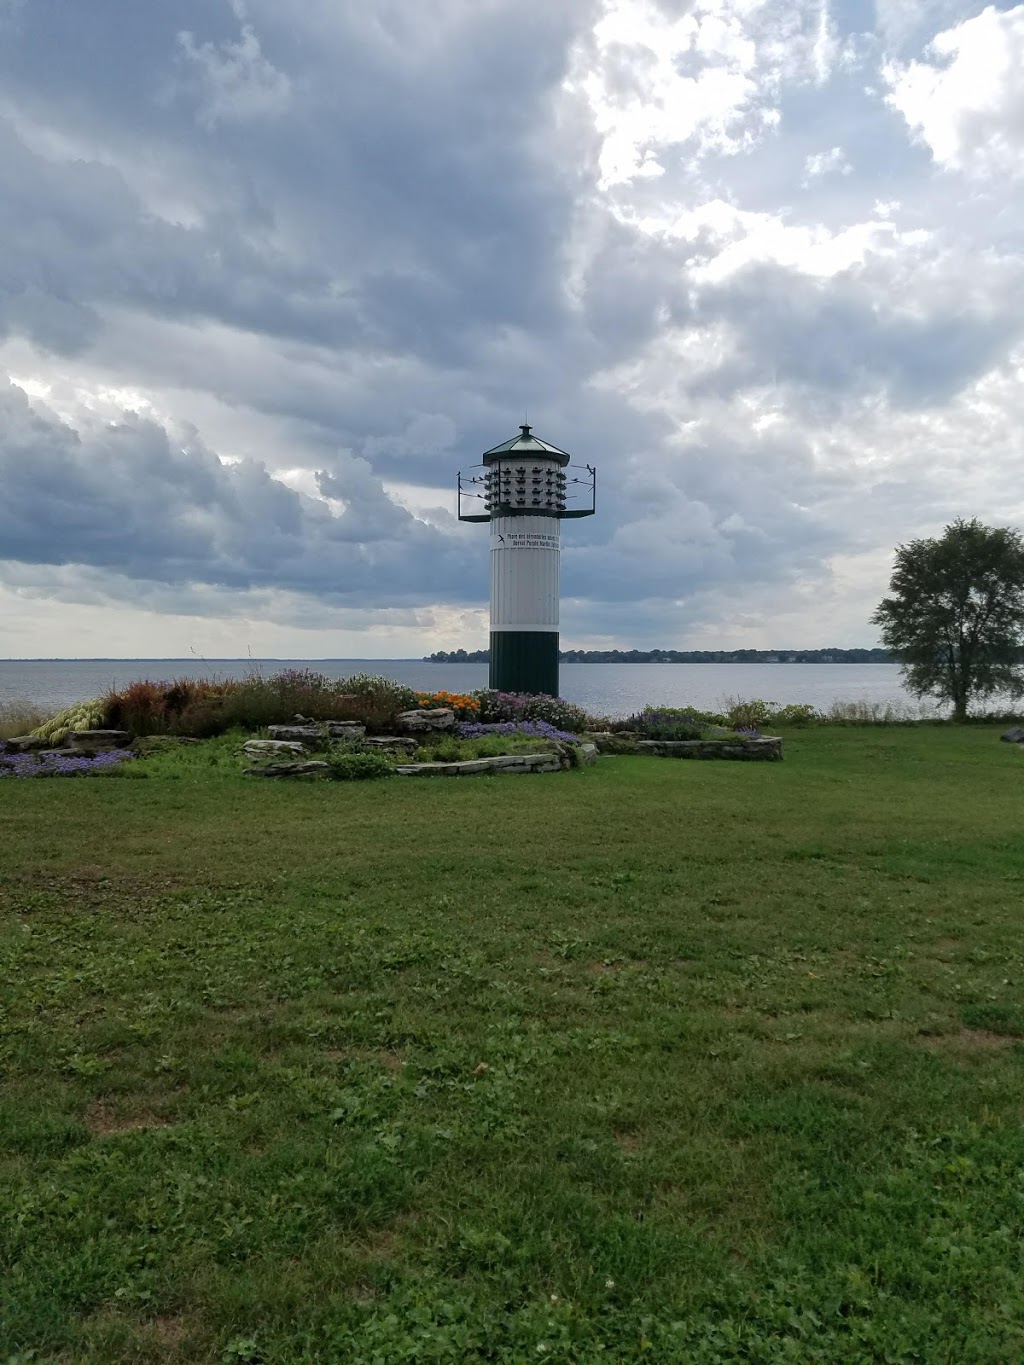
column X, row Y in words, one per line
column 955, row 616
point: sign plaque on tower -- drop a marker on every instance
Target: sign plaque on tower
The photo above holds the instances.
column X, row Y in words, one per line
column 527, row 488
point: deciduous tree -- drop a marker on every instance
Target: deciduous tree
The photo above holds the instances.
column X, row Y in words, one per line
column 955, row 615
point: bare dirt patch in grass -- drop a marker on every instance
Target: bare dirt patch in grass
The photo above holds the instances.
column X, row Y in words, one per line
column 168, row 1329
column 104, row 1121
column 968, row 1041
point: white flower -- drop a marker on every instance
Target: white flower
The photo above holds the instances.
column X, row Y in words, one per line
column 609, row 1284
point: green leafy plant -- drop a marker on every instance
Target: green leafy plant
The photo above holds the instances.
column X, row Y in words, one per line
column 358, row 767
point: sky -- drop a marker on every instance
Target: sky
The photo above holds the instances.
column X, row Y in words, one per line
column 274, row 270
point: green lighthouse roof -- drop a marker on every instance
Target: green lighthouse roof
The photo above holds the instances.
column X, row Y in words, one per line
column 525, row 446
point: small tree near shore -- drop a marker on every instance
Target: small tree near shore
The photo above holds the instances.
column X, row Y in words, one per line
column 955, row 617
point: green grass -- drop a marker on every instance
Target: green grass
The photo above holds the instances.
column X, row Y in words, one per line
column 668, row 1061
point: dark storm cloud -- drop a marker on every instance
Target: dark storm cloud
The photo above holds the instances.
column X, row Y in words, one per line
column 420, row 185
column 128, row 498
column 838, row 338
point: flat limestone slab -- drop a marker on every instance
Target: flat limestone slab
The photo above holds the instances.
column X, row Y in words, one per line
column 314, row 732
column 474, row 767
column 98, row 739
column 265, row 748
column 288, row 769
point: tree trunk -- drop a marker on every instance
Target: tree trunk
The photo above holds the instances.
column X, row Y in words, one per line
column 960, row 709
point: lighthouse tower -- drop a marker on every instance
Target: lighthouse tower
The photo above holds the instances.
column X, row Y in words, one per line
column 527, row 488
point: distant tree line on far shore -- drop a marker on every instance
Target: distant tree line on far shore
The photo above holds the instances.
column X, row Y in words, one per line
column 685, row 656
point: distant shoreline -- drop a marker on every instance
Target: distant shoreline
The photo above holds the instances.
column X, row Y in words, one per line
column 687, row 656
column 572, row 656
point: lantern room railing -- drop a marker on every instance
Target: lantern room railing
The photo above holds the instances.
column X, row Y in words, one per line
column 527, row 488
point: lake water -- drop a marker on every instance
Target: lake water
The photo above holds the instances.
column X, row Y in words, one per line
column 604, row 689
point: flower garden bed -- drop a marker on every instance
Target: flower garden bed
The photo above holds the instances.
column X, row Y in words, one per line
column 301, row 723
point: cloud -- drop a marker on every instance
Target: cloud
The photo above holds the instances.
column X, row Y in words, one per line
column 233, row 82
column 263, row 293
column 965, row 101
column 132, row 498
column 832, row 162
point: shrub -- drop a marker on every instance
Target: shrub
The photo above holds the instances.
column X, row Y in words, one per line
column 258, row 701
column 166, row 708
column 658, row 723
column 564, row 715
column 376, row 701
column 668, row 716
column 756, row 713
column 752, row 712
column 796, row 713
column 358, row 767
column 204, row 709
column 498, row 707
column 378, row 688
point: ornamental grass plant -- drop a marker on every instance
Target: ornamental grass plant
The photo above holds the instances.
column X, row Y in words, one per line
column 21, row 718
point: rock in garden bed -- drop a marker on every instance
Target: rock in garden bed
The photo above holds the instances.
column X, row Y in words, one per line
column 393, row 743
column 267, row 748
column 476, row 767
column 97, row 739
column 560, row 758
column 288, row 769
column 22, row 744
column 426, row 720
column 315, row 732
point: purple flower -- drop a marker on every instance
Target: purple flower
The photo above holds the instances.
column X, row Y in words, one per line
column 59, row 765
column 534, row 729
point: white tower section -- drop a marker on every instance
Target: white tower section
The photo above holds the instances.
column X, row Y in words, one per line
column 525, row 491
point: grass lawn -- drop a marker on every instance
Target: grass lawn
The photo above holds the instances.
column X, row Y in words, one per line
column 668, row 1061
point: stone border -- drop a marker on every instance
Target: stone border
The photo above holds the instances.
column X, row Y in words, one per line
column 765, row 747
column 768, row 747
column 554, row 762
column 557, row 760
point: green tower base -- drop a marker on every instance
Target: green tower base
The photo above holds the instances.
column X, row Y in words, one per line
column 524, row 661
